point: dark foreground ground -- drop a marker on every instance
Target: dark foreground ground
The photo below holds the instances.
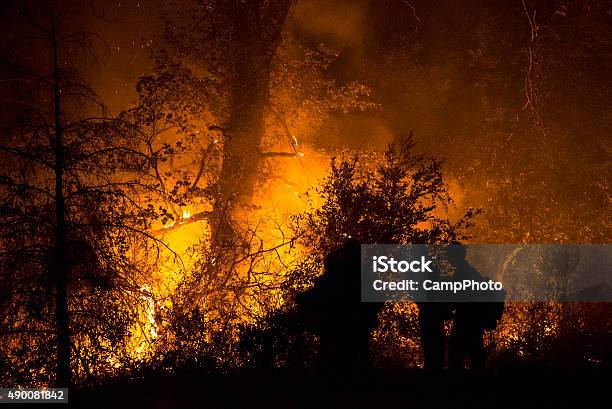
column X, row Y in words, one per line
column 525, row 388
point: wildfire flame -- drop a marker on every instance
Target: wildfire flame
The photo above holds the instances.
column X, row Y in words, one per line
column 150, row 310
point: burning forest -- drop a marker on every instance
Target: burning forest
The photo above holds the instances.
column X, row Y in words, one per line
column 179, row 179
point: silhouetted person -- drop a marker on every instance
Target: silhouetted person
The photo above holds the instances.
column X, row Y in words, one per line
column 466, row 338
column 334, row 310
column 432, row 315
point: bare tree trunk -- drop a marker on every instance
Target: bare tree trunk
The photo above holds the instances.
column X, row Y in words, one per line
column 60, row 268
column 258, row 34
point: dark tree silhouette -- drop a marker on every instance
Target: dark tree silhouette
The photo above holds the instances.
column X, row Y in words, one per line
column 73, row 230
column 224, row 79
column 233, row 43
column 401, row 199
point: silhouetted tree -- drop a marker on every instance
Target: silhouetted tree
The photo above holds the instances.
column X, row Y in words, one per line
column 229, row 87
column 73, row 234
column 225, row 72
column 393, row 197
